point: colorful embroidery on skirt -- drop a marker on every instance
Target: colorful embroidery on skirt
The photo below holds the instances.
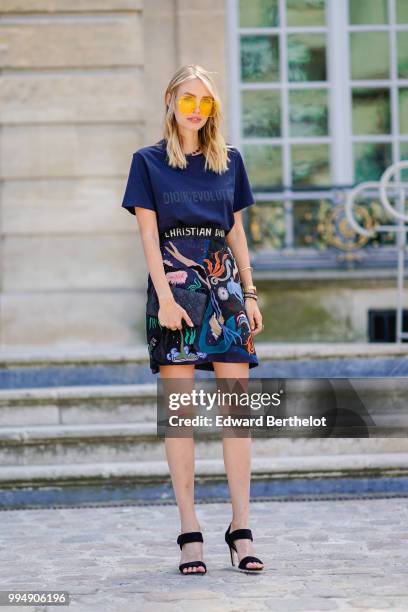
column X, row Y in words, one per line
column 152, row 322
column 184, row 353
column 225, row 326
column 195, row 286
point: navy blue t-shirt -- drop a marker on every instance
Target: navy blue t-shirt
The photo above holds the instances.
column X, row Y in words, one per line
column 189, row 196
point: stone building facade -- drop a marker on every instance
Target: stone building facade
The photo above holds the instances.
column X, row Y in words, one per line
column 81, row 89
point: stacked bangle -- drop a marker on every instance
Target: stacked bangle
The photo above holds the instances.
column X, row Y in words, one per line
column 249, row 291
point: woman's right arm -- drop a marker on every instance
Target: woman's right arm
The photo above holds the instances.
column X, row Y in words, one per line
column 170, row 313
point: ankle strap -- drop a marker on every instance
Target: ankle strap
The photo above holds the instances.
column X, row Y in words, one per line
column 190, row 536
column 240, row 534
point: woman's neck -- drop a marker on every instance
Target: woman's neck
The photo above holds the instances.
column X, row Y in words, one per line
column 189, row 142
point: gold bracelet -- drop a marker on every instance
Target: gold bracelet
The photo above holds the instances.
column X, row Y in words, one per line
column 247, row 292
column 249, row 288
column 246, row 268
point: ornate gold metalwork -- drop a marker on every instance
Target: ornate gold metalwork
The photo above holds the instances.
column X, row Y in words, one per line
column 337, row 230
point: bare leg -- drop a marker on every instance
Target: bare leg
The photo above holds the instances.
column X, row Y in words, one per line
column 237, row 461
column 181, row 457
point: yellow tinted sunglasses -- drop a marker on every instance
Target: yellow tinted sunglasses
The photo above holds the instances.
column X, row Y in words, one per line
column 188, row 103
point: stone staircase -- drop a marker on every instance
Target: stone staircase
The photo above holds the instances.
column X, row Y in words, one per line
column 91, row 434
column 86, row 419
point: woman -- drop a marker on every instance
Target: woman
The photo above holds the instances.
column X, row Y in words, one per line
column 187, row 192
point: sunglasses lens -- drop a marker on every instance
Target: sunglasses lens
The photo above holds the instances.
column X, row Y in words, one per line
column 187, row 104
column 208, row 107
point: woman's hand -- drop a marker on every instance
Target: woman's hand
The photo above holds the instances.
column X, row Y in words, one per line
column 171, row 314
column 254, row 316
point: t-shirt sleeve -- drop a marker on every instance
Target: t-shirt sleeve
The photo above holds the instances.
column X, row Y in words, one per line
column 139, row 191
column 243, row 196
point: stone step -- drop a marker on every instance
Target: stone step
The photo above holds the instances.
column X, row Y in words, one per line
column 207, row 470
column 78, row 405
column 386, row 400
column 42, row 367
column 138, row 442
column 82, row 444
column 60, row 444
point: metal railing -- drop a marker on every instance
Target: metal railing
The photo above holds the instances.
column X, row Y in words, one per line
column 398, row 189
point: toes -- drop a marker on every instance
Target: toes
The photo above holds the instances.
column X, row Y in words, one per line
column 194, row 569
column 254, row 564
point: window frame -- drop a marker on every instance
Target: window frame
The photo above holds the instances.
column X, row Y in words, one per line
column 340, row 138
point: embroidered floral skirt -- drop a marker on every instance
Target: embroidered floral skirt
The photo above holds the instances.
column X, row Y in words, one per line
column 204, row 279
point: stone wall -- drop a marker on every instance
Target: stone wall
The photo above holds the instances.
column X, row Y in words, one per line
column 323, row 310
column 81, row 89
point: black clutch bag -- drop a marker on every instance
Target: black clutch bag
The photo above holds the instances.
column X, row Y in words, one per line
column 193, row 302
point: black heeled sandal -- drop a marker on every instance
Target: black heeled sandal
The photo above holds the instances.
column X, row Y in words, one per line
column 185, row 538
column 241, row 534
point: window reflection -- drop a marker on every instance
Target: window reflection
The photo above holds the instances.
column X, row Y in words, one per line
column 366, row 12
column 264, row 166
column 258, row 13
column 403, row 110
column 404, row 173
column 369, row 55
column 259, row 58
column 310, row 165
column 307, row 57
column 402, row 46
column 261, row 113
column 370, row 160
column 303, row 13
column 308, row 112
column 402, row 11
column 371, row 111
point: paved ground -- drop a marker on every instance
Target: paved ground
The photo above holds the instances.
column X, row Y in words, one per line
column 319, row 555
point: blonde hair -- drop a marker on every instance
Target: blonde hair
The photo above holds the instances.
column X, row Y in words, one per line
column 210, row 138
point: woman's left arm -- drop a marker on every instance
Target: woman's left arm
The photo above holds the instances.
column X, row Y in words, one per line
column 236, row 240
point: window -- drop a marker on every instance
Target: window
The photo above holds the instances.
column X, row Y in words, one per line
column 319, row 102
